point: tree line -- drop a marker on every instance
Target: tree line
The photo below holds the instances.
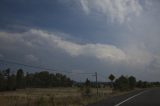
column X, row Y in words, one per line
column 124, row 83
column 43, row 79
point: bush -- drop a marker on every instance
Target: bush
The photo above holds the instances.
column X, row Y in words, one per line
column 86, row 91
column 122, row 83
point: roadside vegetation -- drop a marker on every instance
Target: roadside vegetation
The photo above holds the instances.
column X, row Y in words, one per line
column 49, row 89
column 125, row 83
column 20, row 80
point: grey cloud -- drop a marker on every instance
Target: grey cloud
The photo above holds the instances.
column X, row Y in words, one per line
column 31, row 58
column 117, row 10
column 137, row 54
column 1, row 56
column 41, row 47
column 40, row 40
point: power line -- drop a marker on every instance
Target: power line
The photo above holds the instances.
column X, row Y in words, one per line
column 102, row 77
column 38, row 67
column 26, row 65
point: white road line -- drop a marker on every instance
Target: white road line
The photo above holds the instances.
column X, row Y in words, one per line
column 129, row 98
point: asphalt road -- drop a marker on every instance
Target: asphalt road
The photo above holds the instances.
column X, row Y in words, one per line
column 149, row 97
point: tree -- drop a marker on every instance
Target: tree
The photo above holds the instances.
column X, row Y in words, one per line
column 139, row 84
column 7, row 78
column 12, row 82
column 44, row 79
column 7, row 73
column 122, row 83
column 2, row 81
column 39, row 79
column 20, row 79
column 7, row 81
column 132, row 82
column 86, row 89
column 143, row 84
column 111, row 78
column 87, row 83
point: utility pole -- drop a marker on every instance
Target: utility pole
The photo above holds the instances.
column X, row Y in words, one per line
column 96, row 82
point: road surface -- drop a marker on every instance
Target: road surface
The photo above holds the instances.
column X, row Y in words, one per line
column 149, row 97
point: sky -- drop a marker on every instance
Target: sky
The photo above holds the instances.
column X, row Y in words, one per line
column 120, row 37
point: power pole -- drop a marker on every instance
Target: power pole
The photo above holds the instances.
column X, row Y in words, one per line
column 96, row 82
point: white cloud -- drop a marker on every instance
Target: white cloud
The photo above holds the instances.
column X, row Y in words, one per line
column 41, row 39
column 99, row 51
column 131, row 55
column 37, row 38
column 34, row 45
column 117, row 10
column 84, row 4
column 138, row 56
column 135, row 49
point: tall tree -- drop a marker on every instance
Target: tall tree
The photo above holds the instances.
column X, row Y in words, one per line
column 111, row 78
column 87, row 83
column 122, row 83
column 2, row 81
column 132, row 82
column 20, row 79
column 7, row 78
column 12, row 82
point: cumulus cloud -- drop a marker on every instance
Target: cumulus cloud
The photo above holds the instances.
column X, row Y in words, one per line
column 33, row 45
column 117, row 10
column 123, row 50
column 99, row 51
column 131, row 54
column 37, row 39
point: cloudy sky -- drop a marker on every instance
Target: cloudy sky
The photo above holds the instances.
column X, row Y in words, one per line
column 104, row 36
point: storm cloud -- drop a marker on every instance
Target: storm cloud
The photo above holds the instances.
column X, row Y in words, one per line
column 108, row 36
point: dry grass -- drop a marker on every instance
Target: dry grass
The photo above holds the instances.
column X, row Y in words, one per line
column 50, row 97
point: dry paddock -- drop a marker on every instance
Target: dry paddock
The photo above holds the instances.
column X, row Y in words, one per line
column 50, row 97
